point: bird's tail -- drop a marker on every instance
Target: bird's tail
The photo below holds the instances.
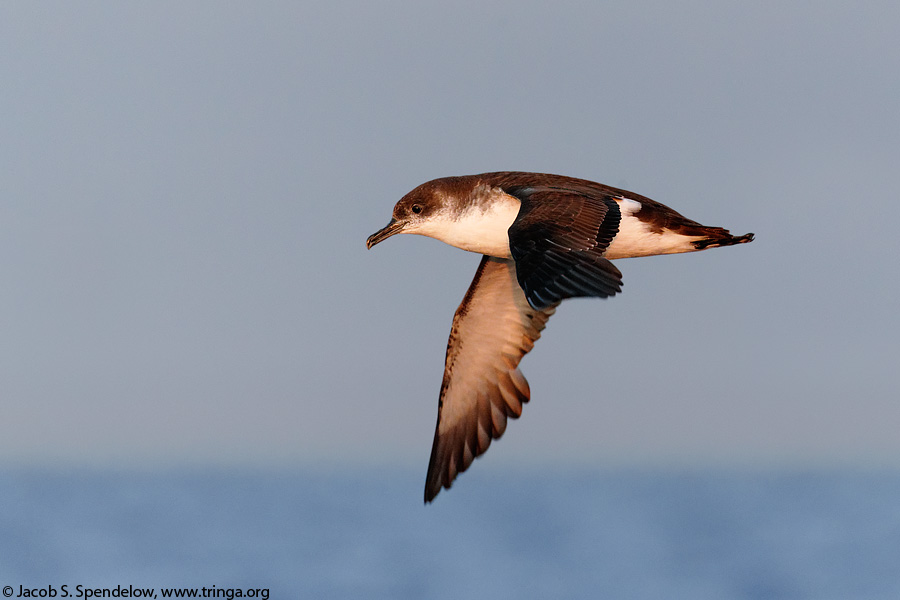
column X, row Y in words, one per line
column 721, row 237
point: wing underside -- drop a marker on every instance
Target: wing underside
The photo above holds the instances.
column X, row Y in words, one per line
column 493, row 328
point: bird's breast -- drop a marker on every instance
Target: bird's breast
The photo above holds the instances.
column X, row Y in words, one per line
column 482, row 229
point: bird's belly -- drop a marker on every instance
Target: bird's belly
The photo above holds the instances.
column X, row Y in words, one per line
column 637, row 238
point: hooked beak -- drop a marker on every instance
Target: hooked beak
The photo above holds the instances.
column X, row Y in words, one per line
column 393, row 227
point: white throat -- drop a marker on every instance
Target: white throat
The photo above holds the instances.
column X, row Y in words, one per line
column 482, row 228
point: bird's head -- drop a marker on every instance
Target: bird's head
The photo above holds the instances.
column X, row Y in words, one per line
column 417, row 212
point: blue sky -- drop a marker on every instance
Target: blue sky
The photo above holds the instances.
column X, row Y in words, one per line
column 187, row 189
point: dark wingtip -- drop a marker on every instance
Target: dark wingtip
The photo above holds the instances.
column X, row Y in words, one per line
column 433, row 483
column 431, row 493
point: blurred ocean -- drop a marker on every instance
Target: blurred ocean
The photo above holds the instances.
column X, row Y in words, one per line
column 579, row 534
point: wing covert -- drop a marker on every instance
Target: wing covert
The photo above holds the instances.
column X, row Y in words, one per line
column 558, row 241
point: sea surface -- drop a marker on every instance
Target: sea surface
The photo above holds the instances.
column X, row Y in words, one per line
column 692, row 534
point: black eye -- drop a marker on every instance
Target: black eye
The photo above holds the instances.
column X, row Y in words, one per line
column 417, row 208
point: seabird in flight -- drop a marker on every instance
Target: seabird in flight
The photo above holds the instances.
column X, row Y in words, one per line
column 544, row 238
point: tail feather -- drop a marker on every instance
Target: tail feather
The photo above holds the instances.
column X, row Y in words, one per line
column 722, row 238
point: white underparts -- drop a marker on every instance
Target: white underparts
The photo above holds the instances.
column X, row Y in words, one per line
column 636, row 238
column 476, row 230
column 484, row 227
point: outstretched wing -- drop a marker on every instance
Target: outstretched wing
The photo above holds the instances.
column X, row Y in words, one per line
column 558, row 240
column 492, row 330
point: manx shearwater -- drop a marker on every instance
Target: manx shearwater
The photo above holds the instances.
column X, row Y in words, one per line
column 544, row 238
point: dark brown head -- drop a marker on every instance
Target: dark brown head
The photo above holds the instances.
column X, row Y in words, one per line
column 427, row 209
